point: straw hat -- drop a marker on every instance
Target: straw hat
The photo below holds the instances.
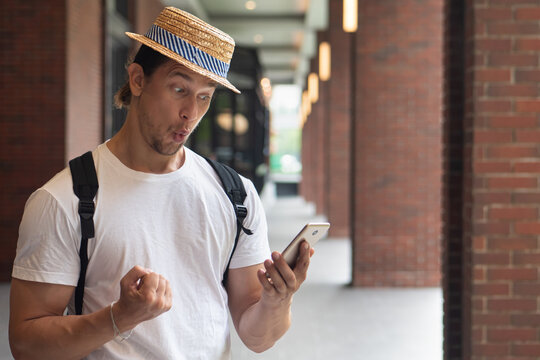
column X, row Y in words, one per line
column 191, row 42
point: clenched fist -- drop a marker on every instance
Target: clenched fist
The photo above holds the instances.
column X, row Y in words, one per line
column 144, row 295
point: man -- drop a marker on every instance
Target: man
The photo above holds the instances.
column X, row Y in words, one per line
column 164, row 229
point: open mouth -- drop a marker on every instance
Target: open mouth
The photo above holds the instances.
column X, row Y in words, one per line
column 180, row 136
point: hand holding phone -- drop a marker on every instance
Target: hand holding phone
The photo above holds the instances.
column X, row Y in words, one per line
column 311, row 232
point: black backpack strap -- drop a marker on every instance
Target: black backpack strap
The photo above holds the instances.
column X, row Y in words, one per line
column 85, row 186
column 236, row 192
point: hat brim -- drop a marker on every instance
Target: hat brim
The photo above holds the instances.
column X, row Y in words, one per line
column 171, row 54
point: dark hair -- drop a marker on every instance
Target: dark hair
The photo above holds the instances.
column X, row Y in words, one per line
column 150, row 60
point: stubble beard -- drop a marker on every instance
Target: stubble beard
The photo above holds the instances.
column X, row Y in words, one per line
column 159, row 148
column 155, row 141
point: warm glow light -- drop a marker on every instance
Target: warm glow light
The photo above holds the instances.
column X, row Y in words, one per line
column 306, row 103
column 258, row 38
column 303, row 108
column 266, row 87
column 251, row 5
column 350, row 15
column 324, row 61
column 313, row 87
column 265, row 82
column 225, row 121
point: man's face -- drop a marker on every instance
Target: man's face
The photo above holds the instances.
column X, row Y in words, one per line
column 172, row 102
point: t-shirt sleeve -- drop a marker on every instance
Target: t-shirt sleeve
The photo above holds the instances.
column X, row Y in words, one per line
column 47, row 249
column 252, row 249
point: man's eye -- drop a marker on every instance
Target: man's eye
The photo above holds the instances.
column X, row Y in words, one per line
column 178, row 90
column 205, row 97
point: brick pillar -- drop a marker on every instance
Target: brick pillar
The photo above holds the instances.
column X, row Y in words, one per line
column 302, row 186
column 145, row 13
column 502, row 193
column 318, row 143
column 32, row 108
column 306, row 186
column 51, row 95
column 397, row 163
column 324, row 126
column 84, row 95
column 339, row 118
column 452, row 202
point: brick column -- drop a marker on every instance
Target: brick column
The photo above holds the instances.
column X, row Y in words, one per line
column 398, row 143
column 339, row 118
column 324, row 128
column 145, row 13
column 306, row 185
column 84, row 82
column 502, row 187
column 302, row 186
column 32, row 109
column 318, row 143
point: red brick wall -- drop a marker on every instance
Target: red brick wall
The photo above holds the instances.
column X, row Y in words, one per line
column 32, row 108
column 307, row 186
column 84, row 83
column 318, row 146
column 339, row 118
column 145, row 13
column 502, row 180
column 397, row 162
column 314, row 172
column 304, row 188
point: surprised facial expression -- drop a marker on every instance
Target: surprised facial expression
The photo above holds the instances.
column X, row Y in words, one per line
column 172, row 102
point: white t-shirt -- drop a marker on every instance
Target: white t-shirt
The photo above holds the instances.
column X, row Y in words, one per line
column 180, row 224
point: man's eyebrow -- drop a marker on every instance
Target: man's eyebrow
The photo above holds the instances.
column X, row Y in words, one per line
column 182, row 75
column 211, row 83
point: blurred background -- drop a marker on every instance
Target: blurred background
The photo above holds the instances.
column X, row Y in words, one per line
column 412, row 126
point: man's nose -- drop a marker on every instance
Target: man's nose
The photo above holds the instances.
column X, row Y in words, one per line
column 189, row 110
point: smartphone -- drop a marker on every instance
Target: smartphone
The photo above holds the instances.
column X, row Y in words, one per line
column 312, row 232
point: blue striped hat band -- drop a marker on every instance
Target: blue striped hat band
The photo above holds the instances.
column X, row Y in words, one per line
column 187, row 51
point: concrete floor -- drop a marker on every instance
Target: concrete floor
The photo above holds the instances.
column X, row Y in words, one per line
column 330, row 319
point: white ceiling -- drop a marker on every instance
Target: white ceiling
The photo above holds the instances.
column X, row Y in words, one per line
column 282, row 31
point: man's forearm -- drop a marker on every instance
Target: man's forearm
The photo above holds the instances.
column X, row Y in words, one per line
column 263, row 324
column 262, row 313
column 61, row 337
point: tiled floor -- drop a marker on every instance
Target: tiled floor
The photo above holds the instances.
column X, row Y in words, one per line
column 334, row 321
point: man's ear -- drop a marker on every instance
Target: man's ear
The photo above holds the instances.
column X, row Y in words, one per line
column 136, row 79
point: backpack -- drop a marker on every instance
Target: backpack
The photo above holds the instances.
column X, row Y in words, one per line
column 85, row 186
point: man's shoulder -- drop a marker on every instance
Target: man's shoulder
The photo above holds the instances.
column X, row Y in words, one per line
column 60, row 186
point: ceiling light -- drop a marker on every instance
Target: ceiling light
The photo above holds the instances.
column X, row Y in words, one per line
column 251, row 5
column 324, row 61
column 258, row 38
column 306, row 104
column 350, row 15
column 305, row 108
column 313, row 87
column 266, row 86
